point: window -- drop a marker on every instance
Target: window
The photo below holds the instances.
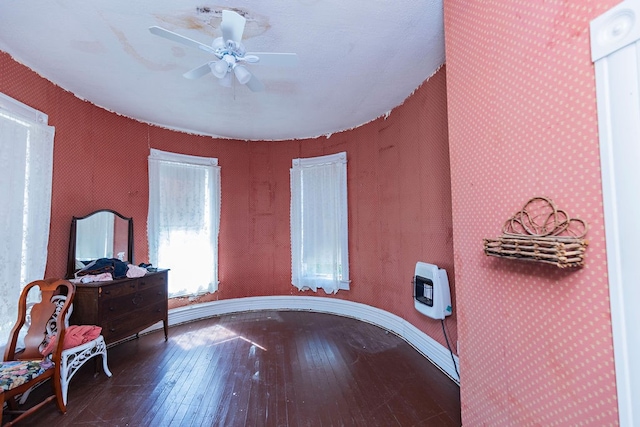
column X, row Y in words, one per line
column 26, row 160
column 184, row 219
column 319, row 238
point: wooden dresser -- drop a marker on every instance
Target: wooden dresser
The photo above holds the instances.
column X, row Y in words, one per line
column 122, row 307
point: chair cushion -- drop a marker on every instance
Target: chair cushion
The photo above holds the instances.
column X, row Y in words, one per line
column 16, row 373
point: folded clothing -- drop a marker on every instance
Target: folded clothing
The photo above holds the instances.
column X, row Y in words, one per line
column 74, row 336
column 135, row 271
column 102, row 277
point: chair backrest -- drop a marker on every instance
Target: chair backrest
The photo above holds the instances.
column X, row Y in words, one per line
column 45, row 316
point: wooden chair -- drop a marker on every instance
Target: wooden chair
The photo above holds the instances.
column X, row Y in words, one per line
column 22, row 369
column 72, row 358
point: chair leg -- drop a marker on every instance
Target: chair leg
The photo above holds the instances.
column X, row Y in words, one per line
column 58, row 387
column 64, row 379
column 72, row 359
column 61, row 401
column 101, row 349
column 11, row 403
column 105, row 367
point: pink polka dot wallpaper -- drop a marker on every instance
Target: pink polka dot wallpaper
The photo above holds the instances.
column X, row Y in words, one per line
column 535, row 340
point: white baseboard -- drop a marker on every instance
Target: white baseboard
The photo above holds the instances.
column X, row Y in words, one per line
column 438, row 354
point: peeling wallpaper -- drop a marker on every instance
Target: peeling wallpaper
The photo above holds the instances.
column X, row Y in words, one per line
column 535, row 341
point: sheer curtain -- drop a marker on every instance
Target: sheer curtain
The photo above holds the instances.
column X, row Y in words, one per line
column 26, row 161
column 319, row 232
column 184, row 219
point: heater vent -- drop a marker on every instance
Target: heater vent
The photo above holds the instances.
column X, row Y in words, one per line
column 431, row 292
column 423, row 291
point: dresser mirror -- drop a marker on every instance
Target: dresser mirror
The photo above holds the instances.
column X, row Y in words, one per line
column 101, row 234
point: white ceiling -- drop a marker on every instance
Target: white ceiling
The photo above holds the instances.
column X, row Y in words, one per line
column 358, row 59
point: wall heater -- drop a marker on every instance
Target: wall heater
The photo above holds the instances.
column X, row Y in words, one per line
column 431, row 293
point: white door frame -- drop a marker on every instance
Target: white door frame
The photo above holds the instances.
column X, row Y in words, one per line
column 615, row 51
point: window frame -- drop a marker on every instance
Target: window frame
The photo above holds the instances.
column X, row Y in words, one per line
column 215, row 194
column 297, row 237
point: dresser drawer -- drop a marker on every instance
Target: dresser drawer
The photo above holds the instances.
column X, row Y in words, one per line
column 117, row 289
column 130, row 302
column 156, row 281
column 132, row 286
column 124, row 326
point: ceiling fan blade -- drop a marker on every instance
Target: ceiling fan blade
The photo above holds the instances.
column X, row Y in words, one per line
column 198, row 72
column 271, row 58
column 170, row 35
column 232, row 26
column 254, row 84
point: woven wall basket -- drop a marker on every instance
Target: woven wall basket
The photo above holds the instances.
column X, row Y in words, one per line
column 542, row 233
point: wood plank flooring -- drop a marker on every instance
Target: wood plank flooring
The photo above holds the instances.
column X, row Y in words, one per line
column 267, row 368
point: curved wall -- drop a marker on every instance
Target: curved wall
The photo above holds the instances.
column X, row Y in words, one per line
column 398, row 184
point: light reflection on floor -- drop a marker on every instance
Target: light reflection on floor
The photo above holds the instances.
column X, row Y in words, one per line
column 211, row 336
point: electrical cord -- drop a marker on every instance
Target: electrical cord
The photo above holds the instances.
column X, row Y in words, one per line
column 444, row 331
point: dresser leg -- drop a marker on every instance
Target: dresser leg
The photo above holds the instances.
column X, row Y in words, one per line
column 166, row 329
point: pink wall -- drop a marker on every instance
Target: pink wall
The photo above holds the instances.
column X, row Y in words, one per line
column 535, row 341
column 398, row 184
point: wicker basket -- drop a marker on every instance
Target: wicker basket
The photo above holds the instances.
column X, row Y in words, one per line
column 541, row 233
column 561, row 252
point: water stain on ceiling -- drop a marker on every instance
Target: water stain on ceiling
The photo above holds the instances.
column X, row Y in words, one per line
column 357, row 60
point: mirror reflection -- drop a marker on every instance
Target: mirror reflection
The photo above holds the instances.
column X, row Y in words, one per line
column 101, row 234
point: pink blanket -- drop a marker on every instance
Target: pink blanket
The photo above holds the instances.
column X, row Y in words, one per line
column 74, row 336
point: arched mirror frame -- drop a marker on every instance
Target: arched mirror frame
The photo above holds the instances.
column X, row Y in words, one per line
column 71, row 261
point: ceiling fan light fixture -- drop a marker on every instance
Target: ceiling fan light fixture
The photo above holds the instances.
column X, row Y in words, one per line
column 219, row 68
column 226, row 80
column 218, row 43
column 229, row 53
column 242, row 74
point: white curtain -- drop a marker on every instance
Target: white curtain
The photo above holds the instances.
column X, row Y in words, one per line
column 319, row 237
column 184, row 219
column 26, row 161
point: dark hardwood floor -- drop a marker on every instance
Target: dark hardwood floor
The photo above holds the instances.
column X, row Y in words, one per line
column 266, row 368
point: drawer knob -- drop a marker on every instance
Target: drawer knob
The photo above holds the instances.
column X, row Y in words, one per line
column 107, row 291
column 137, row 299
column 112, row 329
column 112, row 309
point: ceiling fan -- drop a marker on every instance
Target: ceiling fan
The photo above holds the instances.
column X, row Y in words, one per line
column 230, row 54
